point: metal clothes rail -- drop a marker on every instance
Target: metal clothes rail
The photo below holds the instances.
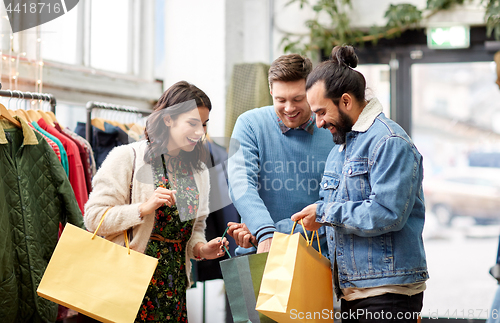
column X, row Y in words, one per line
column 91, row 105
column 31, row 96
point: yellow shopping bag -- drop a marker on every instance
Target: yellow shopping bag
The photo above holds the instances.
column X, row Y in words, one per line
column 97, row 277
column 297, row 282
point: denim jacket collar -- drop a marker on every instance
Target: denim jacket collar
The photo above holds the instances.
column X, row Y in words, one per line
column 368, row 115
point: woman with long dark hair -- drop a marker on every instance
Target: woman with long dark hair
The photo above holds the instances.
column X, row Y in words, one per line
column 157, row 191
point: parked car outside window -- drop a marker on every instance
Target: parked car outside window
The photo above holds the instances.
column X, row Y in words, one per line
column 469, row 191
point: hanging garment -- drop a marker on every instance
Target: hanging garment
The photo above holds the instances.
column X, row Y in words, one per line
column 80, row 131
column 103, row 141
column 76, row 172
column 64, row 155
column 89, row 165
column 35, row 195
column 51, row 143
column 83, row 156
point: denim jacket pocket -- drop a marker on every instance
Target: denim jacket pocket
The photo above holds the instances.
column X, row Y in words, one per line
column 357, row 182
column 329, row 184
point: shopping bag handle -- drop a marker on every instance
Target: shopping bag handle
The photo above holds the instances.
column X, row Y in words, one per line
column 309, row 243
column 305, row 231
column 317, row 238
column 227, row 251
column 124, row 232
column 222, row 237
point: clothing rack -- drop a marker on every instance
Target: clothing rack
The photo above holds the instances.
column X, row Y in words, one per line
column 31, row 96
column 91, row 105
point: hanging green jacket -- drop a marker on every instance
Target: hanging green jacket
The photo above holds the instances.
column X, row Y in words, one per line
column 35, row 195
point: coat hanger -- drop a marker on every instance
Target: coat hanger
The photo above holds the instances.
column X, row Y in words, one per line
column 33, row 116
column 50, row 114
column 43, row 114
column 45, row 117
column 98, row 123
column 109, row 116
column 12, row 113
column 117, row 124
column 21, row 113
column 4, row 113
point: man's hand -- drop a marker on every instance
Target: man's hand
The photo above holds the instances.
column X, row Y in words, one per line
column 264, row 246
column 308, row 215
column 241, row 235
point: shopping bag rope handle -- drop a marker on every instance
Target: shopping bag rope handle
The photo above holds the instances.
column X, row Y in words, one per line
column 128, row 247
column 319, row 245
column 227, row 251
column 98, row 226
column 305, row 231
column 309, row 243
column 222, row 237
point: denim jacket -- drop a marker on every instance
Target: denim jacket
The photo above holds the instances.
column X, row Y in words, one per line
column 372, row 200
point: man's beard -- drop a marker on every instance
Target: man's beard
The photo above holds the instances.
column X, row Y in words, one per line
column 343, row 127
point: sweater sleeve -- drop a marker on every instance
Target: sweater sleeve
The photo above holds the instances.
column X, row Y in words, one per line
column 243, row 174
column 198, row 234
column 111, row 190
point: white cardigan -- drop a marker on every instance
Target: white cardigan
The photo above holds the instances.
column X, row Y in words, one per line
column 111, row 188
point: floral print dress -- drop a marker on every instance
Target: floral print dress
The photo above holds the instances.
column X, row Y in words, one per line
column 165, row 299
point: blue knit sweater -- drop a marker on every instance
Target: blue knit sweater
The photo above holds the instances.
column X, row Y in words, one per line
column 273, row 175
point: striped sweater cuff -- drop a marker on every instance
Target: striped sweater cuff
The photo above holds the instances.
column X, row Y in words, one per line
column 264, row 233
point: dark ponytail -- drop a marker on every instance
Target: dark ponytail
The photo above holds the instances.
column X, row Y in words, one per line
column 338, row 75
column 344, row 55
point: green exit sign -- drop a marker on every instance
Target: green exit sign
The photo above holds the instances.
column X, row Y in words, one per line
column 448, row 37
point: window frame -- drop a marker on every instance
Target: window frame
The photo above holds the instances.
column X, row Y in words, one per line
column 80, row 82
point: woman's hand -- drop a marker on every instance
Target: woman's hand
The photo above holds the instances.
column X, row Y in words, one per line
column 212, row 249
column 160, row 196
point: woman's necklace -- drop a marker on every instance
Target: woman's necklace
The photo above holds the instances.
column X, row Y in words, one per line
column 171, row 165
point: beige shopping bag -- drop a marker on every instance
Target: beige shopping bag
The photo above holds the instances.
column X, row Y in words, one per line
column 97, row 277
column 297, row 282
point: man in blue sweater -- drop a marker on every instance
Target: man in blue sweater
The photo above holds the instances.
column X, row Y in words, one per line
column 278, row 159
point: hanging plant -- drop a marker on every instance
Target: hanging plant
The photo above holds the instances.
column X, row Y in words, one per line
column 493, row 17
column 400, row 18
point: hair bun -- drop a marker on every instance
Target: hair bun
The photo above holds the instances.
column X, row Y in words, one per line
column 344, row 55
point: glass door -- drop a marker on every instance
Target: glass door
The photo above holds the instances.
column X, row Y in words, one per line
column 456, row 126
column 378, row 84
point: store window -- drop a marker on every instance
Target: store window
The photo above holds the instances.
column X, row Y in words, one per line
column 96, row 33
column 59, row 38
column 160, row 57
column 456, row 127
column 110, row 36
column 378, row 85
